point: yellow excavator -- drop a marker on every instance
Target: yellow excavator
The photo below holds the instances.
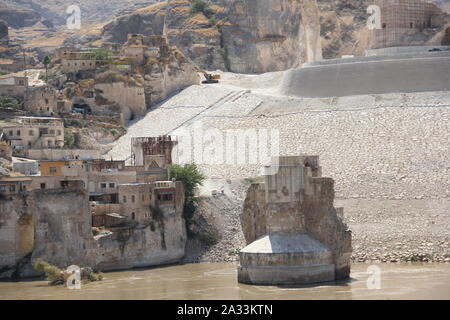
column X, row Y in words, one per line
column 210, row 78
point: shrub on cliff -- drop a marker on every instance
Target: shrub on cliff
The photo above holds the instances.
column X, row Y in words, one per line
column 201, row 6
column 69, row 139
column 191, row 177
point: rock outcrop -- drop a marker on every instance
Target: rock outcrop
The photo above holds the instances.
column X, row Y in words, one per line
column 250, row 36
column 40, row 224
column 17, row 16
column 4, row 33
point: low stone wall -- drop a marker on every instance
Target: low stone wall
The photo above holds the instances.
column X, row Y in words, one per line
column 60, row 154
column 114, row 120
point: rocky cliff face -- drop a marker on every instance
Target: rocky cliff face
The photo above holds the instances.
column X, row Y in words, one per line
column 4, row 33
column 166, row 75
column 248, row 36
column 41, row 225
column 17, row 16
column 54, row 11
column 343, row 27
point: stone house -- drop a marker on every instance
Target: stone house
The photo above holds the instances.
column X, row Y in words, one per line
column 14, row 185
column 13, row 86
column 139, row 48
column 137, row 201
column 68, row 65
column 35, row 133
column 42, row 101
column 67, row 53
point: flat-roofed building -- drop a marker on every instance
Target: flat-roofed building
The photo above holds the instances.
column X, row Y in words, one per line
column 35, row 133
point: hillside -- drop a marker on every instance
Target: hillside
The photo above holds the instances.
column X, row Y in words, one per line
column 54, row 11
column 240, row 36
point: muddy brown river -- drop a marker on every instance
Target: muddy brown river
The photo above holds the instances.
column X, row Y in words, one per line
column 218, row 281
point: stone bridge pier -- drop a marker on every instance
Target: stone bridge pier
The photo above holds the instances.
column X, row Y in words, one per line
column 293, row 231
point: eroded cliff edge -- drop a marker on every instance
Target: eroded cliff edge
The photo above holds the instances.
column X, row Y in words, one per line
column 40, row 224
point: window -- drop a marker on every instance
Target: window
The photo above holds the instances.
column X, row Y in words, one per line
column 103, row 185
column 133, row 216
column 12, row 188
column 2, row 188
column 112, row 185
column 42, row 185
column 124, row 199
column 31, row 133
column 143, row 198
column 165, row 197
column 46, row 101
column 384, row 25
column 411, row 25
column 11, row 132
column 59, row 132
column 133, row 198
column 52, row 169
column 18, row 132
column 52, row 131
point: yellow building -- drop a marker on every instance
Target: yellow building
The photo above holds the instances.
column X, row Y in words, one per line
column 51, row 168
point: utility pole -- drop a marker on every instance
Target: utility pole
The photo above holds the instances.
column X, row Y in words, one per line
column 26, row 76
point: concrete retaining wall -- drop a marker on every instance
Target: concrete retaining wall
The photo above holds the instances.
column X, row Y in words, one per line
column 370, row 76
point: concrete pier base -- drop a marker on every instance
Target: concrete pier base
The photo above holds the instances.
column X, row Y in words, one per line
column 285, row 260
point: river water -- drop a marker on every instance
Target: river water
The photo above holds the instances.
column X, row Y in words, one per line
column 218, row 281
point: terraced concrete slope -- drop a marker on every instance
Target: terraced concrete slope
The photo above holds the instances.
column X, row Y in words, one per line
column 387, row 153
column 370, row 75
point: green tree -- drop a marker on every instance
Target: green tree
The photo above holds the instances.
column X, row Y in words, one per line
column 191, row 177
column 46, row 63
column 69, row 139
column 201, row 6
column 9, row 102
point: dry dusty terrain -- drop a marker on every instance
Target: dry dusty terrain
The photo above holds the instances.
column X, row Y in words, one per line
column 388, row 154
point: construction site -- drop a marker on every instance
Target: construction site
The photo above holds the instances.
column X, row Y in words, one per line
column 378, row 121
